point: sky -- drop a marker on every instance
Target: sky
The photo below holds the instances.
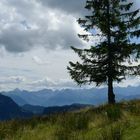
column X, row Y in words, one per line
column 35, row 40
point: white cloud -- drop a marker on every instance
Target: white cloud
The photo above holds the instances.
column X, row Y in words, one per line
column 130, row 81
column 54, row 84
column 12, row 80
column 41, row 84
column 39, row 61
column 2, row 52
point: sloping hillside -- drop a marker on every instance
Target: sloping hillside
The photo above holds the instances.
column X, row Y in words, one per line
column 9, row 109
column 119, row 122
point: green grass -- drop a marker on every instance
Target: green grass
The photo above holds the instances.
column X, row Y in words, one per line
column 106, row 122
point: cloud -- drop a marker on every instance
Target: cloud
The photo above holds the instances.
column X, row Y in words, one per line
column 12, row 80
column 70, row 84
column 36, row 25
column 39, row 61
column 2, row 52
column 68, row 6
column 51, row 24
column 17, row 79
column 130, row 81
column 46, row 82
column 54, row 84
column 17, row 40
column 66, row 83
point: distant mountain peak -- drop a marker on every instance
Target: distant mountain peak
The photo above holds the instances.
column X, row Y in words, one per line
column 17, row 90
column 48, row 97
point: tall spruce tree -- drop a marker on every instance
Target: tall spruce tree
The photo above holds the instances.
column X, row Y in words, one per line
column 112, row 58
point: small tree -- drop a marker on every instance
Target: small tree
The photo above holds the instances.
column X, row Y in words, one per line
column 112, row 58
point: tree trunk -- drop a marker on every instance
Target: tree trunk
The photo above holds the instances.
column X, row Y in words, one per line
column 111, row 95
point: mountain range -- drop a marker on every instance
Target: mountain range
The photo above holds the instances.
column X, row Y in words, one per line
column 48, row 97
column 24, row 104
column 10, row 110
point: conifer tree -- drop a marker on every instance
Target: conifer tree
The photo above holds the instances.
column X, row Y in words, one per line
column 110, row 60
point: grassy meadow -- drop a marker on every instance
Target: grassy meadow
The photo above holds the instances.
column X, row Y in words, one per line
column 106, row 122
